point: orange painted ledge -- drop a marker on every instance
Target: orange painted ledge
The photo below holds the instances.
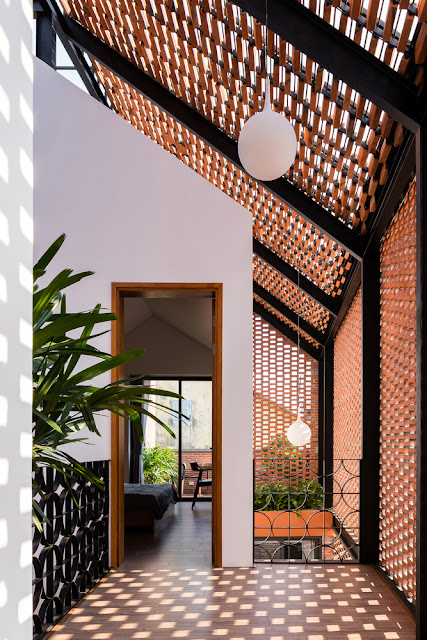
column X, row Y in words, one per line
column 284, row 524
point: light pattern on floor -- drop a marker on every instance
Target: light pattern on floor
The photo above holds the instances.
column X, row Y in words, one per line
column 269, row 602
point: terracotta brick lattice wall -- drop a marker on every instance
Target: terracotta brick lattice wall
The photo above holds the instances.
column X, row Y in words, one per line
column 398, row 398
column 348, row 416
column 275, row 392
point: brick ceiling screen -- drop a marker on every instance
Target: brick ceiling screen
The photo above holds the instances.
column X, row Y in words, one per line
column 275, row 388
column 348, row 414
column 398, row 398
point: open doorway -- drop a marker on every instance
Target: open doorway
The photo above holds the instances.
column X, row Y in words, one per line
column 175, row 308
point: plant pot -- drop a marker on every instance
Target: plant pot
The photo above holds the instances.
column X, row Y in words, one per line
column 290, row 524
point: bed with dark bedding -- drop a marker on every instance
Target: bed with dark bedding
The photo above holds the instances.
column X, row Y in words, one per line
column 149, row 505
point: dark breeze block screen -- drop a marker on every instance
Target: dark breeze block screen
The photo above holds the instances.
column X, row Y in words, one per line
column 398, row 398
column 71, row 555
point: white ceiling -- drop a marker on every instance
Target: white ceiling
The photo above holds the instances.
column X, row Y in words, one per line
column 191, row 316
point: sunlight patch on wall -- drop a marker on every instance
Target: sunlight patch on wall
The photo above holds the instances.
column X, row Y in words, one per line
column 26, row 445
column 25, row 499
column 4, row 472
column 4, row 166
column 4, row 45
column 3, row 533
column 26, row 112
column 26, row 278
column 26, row 224
column 3, row 349
column 4, row 104
column 3, row 411
column 4, row 229
column 25, row 389
column 25, row 333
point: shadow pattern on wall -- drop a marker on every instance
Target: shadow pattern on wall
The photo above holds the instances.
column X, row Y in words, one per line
column 70, row 555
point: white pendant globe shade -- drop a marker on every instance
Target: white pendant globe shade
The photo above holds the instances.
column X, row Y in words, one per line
column 299, row 433
column 267, row 143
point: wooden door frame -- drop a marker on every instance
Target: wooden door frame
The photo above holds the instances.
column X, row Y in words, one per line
column 119, row 291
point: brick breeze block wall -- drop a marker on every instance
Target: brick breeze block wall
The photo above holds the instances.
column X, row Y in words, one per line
column 348, row 412
column 398, row 398
column 275, row 388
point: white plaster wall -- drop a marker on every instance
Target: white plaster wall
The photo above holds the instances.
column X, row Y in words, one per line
column 134, row 213
column 169, row 352
column 16, row 187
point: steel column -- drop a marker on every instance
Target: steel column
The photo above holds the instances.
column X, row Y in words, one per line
column 421, row 507
column 45, row 38
column 328, row 422
column 369, row 465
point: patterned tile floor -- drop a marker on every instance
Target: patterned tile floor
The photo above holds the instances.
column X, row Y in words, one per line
column 167, row 589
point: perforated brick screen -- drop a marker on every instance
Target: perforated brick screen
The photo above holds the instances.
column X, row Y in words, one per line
column 348, row 412
column 275, row 387
column 398, row 398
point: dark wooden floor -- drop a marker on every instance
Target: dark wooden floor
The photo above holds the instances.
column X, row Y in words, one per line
column 168, row 589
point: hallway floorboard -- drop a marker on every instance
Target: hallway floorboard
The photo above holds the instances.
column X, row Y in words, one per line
column 168, row 589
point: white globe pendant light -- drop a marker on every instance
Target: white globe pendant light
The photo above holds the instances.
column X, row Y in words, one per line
column 267, row 143
column 298, row 433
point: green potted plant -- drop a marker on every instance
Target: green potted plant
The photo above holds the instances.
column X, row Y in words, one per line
column 160, row 465
column 285, row 510
column 66, row 398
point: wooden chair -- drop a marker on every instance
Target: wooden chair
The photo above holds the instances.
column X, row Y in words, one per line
column 207, row 482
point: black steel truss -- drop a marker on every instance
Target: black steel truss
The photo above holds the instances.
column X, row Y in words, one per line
column 400, row 176
column 342, row 57
column 352, row 285
column 49, row 12
column 286, row 331
column 282, row 189
column 306, row 285
column 283, row 308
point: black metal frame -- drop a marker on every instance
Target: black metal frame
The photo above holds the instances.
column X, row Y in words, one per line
column 291, row 315
column 289, row 471
column 286, row 331
column 370, row 463
column 421, row 444
column 45, row 36
column 307, row 286
column 342, row 57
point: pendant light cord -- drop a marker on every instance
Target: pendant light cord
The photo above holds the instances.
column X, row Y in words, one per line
column 298, row 350
column 266, row 36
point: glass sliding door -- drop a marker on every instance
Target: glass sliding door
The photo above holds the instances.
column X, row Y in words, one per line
column 196, row 433
column 193, row 435
column 161, row 449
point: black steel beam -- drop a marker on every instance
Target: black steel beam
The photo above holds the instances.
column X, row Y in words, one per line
column 370, row 462
column 421, row 444
column 352, row 285
column 328, row 428
column 45, row 37
column 282, row 189
column 289, row 313
column 400, row 176
column 77, row 58
column 321, row 413
column 283, row 267
column 286, row 331
column 345, row 59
